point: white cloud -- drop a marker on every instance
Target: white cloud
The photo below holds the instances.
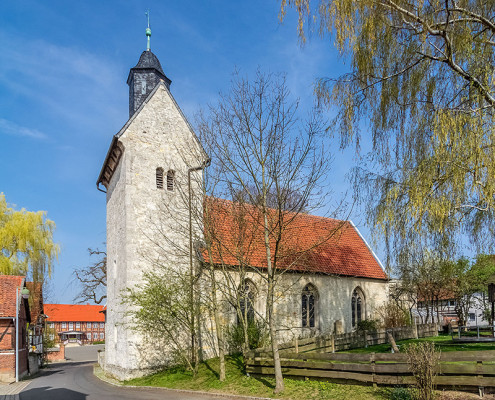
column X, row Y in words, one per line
column 11, row 128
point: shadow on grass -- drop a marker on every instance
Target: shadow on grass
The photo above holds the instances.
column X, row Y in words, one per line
column 208, row 366
column 238, row 360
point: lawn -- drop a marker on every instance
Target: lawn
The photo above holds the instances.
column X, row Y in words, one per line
column 237, row 382
column 443, row 342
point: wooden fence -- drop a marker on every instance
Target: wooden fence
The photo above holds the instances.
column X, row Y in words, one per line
column 464, row 369
column 353, row 340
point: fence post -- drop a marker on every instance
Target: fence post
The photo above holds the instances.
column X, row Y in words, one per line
column 372, row 362
column 332, row 342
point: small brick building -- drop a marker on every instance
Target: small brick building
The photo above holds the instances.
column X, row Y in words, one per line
column 75, row 323
column 8, row 332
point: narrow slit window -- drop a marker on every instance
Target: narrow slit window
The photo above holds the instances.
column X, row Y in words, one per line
column 159, row 178
column 170, row 180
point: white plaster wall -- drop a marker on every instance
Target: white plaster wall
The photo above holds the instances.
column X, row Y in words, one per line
column 334, row 301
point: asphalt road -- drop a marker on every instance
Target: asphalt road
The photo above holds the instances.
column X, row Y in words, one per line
column 75, row 381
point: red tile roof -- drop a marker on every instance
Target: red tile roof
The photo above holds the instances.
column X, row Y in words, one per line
column 8, row 285
column 309, row 243
column 74, row 313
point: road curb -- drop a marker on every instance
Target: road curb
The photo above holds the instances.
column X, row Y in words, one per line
column 101, row 376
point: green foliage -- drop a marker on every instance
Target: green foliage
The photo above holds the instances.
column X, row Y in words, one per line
column 258, row 336
column 26, row 242
column 370, row 325
column 400, row 393
column 422, row 75
column 160, row 308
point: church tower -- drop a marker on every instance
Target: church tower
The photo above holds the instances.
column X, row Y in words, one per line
column 149, row 160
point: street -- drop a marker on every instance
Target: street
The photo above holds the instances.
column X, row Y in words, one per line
column 74, row 380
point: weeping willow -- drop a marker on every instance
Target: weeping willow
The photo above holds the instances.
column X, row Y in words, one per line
column 26, row 243
column 422, row 83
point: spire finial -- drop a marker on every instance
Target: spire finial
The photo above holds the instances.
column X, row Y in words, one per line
column 148, row 30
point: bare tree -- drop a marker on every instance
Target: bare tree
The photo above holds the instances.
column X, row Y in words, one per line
column 92, row 278
column 266, row 152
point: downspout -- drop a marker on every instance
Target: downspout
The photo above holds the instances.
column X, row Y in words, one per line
column 191, row 264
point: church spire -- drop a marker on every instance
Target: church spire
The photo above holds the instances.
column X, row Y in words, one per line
column 148, row 31
column 145, row 75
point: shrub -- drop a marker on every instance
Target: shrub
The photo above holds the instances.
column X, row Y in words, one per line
column 400, row 393
column 394, row 316
column 369, row 325
column 423, row 361
column 257, row 336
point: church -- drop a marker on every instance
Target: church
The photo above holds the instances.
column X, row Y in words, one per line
column 153, row 156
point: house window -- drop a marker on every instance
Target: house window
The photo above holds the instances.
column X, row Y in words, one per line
column 95, row 325
column 95, row 335
column 357, row 307
column 78, row 325
column 88, row 335
column 52, row 336
column 246, row 301
column 452, row 303
column 64, row 325
column 102, row 335
column 71, row 326
column 472, row 316
column 159, row 178
column 88, row 325
column 308, row 306
column 170, row 180
column 52, row 325
column 102, row 325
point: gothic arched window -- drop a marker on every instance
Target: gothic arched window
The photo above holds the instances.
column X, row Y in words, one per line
column 159, row 178
column 170, row 180
column 357, row 307
column 309, row 299
column 247, row 294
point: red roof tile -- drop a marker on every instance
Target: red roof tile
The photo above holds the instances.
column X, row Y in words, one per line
column 8, row 285
column 309, row 243
column 74, row 313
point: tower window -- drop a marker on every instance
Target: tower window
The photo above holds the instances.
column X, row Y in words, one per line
column 170, row 180
column 159, row 178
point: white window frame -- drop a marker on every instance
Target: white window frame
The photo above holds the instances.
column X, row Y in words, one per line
column 95, row 336
column 88, row 325
column 78, row 325
column 102, row 325
column 64, row 325
column 88, row 336
column 102, row 335
column 71, row 326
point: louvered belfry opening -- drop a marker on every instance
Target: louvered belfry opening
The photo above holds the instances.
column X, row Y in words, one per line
column 170, row 180
column 159, row 178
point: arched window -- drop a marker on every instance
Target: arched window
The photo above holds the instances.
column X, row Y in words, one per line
column 247, row 294
column 170, row 180
column 309, row 304
column 159, row 178
column 357, row 307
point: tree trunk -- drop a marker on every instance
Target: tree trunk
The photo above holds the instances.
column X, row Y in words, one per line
column 391, row 340
column 279, row 379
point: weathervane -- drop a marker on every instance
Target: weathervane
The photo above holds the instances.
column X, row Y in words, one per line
column 148, row 30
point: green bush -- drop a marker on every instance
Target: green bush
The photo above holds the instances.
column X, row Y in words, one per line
column 257, row 336
column 369, row 325
column 400, row 393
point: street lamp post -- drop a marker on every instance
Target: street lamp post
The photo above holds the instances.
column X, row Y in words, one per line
column 24, row 295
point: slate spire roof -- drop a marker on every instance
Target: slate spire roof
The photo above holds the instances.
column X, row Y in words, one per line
column 148, row 60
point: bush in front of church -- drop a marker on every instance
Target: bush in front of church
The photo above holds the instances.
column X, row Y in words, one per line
column 257, row 336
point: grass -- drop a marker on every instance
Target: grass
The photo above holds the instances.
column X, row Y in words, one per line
column 237, row 382
column 443, row 342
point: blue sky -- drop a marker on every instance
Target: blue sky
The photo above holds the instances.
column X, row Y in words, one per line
column 63, row 94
